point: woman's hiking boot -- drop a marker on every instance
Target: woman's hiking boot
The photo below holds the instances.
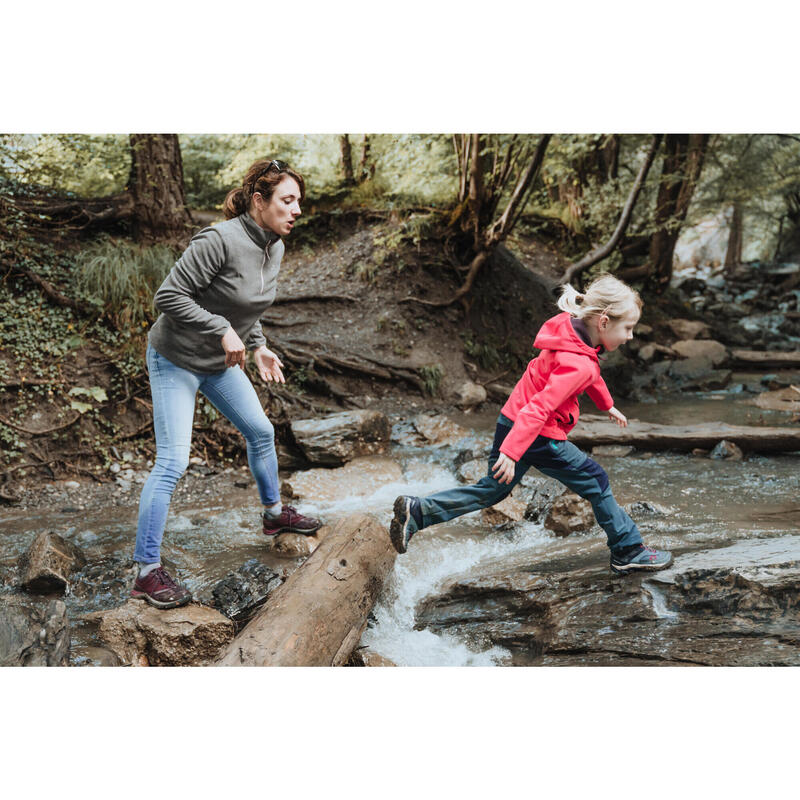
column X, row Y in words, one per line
column 406, row 522
column 160, row 590
column 290, row 521
column 639, row 558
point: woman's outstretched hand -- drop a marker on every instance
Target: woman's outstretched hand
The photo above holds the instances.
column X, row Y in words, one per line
column 618, row 417
column 504, row 469
column 234, row 349
column 269, row 365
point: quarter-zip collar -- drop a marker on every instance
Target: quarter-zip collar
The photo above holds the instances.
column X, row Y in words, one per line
column 262, row 238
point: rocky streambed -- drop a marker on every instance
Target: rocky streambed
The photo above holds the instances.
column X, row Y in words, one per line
column 524, row 583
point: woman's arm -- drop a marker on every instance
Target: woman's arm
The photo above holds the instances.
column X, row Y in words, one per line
column 191, row 275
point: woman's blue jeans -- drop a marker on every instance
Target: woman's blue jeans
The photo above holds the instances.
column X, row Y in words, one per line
column 174, row 390
column 555, row 458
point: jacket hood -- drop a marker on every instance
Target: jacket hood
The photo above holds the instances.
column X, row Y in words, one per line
column 558, row 334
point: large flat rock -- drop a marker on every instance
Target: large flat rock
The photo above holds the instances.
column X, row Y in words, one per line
column 737, row 606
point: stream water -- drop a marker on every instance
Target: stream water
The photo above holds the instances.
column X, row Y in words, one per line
column 712, row 502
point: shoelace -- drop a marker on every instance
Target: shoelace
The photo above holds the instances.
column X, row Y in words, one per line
column 165, row 578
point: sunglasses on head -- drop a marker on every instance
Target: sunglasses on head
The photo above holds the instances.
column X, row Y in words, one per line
column 279, row 165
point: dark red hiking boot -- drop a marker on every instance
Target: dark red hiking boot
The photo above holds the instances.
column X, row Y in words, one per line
column 290, row 522
column 158, row 588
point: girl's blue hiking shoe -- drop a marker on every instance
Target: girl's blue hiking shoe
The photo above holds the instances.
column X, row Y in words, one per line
column 645, row 559
column 406, row 522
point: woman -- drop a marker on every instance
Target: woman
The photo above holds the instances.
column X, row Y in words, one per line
column 210, row 306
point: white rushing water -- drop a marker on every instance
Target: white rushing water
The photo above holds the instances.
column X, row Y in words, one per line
column 435, row 556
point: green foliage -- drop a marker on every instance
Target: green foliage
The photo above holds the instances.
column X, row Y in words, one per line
column 88, row 166
column 431, row 375
column 124, row 276
column 484, row 351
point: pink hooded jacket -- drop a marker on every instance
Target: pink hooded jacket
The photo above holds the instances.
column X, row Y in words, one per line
column 545, row 400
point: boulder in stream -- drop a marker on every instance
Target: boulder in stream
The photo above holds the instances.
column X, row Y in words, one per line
column 338, row 438
column 569, row 514
column 48, row 563
column 34, row 632
column 141, row 635
column 244, row 590
column 686, row 329
column 728, row 451
column 437, row 429
column 469, row 395
column 706, row 349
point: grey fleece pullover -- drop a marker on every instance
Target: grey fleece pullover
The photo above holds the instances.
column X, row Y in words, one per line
column 225, row 278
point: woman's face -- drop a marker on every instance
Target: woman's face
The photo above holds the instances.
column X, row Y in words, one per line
column 279, row 212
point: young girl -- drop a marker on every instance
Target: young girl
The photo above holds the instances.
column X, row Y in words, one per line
column 533, row 426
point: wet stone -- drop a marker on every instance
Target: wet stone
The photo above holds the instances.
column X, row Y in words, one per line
column 48, row 564
column 727, row 451
column 34, row 632
column 339, row 438
column 436, row 429
column 297, row 545
column 240, row 593
column 569, row 514
column 140, row 635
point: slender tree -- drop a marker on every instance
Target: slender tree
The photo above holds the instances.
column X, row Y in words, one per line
column 600, row 253
column 683, row 163
column 347, row 159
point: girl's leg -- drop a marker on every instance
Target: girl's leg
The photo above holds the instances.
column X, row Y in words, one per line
column 173, row 390
column 566, row 463
column 234, row 396
column 442, row 506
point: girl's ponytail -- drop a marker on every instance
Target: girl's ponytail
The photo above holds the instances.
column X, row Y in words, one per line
column 604, row 295
column 571, row 300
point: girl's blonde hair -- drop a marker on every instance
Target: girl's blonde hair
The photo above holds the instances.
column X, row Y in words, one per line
column 604, row 295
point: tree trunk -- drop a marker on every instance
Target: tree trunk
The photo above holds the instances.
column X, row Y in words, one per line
column 683, row 162
column 366, row 170
column 156, row 185
column 318, row 615
column 347, row 160
column 733, row 253
column 607, row 155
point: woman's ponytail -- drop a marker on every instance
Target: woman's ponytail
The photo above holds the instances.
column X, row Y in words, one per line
column 235, row 203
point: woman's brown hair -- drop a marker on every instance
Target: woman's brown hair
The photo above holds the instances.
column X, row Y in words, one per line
column 262, row 177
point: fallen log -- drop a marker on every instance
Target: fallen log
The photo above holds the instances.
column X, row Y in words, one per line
column 316, row 618
column 765, row 358
column 594, row 430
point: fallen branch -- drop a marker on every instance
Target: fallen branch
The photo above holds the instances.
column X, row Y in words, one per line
column 39, row 433
column 48, row 289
